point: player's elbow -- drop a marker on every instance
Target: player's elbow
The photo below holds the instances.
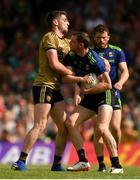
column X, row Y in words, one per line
column 53, row 66
column 127, row 74
column 108, row 86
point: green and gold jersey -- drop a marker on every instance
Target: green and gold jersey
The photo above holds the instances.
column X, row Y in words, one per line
column 46, row 76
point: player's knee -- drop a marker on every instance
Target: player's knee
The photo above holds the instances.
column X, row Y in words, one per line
column 116, row 129
column 69, row 124
column 101, row 130
column 40, row 126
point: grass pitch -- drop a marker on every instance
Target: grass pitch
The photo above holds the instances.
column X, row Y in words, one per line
column 43, row 172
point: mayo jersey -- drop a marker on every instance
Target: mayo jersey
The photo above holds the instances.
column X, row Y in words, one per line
column 46, row 76
column 114, row 55
column 90, row 63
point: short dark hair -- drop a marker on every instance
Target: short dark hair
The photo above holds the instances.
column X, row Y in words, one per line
column 52, row 15
column 82, row 37
column 100, row 29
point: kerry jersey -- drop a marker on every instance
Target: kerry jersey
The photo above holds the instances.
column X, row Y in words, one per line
column 46, row 76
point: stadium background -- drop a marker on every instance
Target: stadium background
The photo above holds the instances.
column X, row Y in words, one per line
column 21, row 27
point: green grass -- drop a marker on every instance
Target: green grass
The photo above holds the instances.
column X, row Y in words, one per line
column 43, row 172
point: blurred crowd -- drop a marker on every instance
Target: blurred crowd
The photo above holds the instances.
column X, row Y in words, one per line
column 21, row 27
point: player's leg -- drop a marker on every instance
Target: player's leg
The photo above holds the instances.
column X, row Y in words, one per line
column 72, row 124
column 102, row 128
column 59, row 112
column 116, row 132
column 40, row 119
column 41, row 111
column 59, row 116
column 98, row 146
column 115, row 125
column 103, row 121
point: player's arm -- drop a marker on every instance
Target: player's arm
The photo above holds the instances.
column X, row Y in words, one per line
column 77, row 95
column 124, row 75
column 55, row 64
column 107, row 64
column 103, row 85
column 76, row 79
column 71, row 79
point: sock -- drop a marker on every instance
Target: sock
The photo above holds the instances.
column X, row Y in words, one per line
column 81, row 155
column 115, row 162
column 100, row 159
column 23, row 156
column 57, row 159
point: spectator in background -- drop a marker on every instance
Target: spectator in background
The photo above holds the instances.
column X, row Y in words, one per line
column 129, row 135
column 7, row 126
column 2, row 105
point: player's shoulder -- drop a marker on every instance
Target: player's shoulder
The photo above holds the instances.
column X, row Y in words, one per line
column 92, row 51
column 92, row 56
column 49, row 35
column 114, row 47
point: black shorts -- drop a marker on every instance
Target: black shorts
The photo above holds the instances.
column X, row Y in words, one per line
column 117, row 103
column 44, row 94
column 93, row 101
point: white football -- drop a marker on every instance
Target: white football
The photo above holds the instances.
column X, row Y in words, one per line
column 94, row 81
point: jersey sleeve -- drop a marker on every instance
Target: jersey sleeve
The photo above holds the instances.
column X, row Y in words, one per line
column 121, row 56
column 98, row 66
column 49, row 41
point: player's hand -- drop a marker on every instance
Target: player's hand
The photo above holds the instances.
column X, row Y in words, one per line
column 106, row 62
column 87, row 79
column 118, row 86
column 77, row 99
column 83, row 89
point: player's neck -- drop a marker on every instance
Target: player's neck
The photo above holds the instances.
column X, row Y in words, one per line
column 58, row 33
column 98, row 47
column 83, row 52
